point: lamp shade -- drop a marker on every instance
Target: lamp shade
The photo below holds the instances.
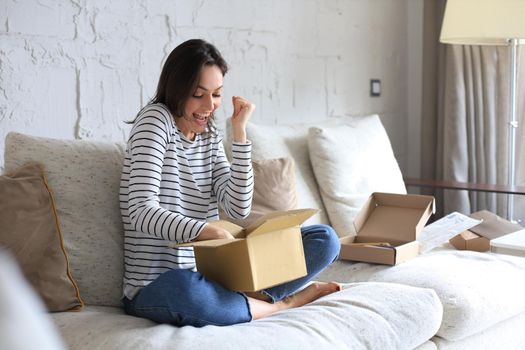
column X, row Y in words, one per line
column 483, row 22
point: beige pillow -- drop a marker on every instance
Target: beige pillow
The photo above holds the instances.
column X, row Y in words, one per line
column 274, row 189
column 30, row 230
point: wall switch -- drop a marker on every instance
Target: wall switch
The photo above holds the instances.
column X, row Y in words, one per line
column 375, row 87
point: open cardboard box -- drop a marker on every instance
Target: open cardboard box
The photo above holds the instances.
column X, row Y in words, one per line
column 478, row 238
column 388, row 218
column 267, row 253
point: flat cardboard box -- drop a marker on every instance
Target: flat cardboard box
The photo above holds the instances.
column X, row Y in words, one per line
column 513, row 244
column 390, row 218
column 267, row 253
column 478, row 238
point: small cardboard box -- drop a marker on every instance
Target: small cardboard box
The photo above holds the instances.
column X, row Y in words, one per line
column 267, row 253
column 478, row 237
column 387, row 218
column 468, row 240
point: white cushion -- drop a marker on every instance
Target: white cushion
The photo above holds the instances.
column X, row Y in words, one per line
column 85, row 179
column 24, row 323
column 504, row 335
column 363, row 316
column 478, row 290
column 278, row 141
column 350, row 162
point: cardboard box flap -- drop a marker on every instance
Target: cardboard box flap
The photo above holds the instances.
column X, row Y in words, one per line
column 394, row 216
column 236, row 230
column 493, row 226
column 428, row 211
column 364, row 213
column 413, row 201
column 279, row 220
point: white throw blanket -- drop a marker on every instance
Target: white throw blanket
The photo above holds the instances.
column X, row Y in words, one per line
column 362, row 316
column 477, row 290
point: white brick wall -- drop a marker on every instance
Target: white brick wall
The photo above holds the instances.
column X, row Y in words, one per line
column 79, row 68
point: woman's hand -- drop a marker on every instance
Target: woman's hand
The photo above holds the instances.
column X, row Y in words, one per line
column 213, row 232
column 242, row 111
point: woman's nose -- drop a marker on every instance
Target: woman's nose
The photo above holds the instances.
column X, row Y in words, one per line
column 208, row 102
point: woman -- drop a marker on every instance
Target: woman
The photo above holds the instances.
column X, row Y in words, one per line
column 175, row 176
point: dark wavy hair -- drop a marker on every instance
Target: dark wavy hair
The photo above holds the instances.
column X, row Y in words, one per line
column 181, row 74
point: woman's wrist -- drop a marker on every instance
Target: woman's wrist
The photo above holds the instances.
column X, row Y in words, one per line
column 207, row 232
column 213, row 232
column 239, row 136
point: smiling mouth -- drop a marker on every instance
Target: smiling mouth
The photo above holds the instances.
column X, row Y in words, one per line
column 201, row 119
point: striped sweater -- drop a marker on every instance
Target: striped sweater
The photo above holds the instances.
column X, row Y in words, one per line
column 170, row 187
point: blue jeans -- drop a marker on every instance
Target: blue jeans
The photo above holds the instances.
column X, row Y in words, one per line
column 184, row 297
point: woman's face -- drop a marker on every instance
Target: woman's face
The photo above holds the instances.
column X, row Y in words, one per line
column 201, row 104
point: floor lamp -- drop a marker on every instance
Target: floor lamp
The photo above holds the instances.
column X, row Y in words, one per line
column 491, row 22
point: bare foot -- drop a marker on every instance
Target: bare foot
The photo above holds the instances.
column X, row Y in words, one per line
column 311, row 293
column 260, row 308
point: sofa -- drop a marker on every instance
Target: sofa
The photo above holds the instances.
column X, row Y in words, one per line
column 443, row 298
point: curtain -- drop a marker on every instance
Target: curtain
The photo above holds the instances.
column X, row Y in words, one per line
column 467, row 131
column 519, row 201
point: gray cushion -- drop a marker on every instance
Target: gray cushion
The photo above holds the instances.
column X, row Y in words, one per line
column 85, row 179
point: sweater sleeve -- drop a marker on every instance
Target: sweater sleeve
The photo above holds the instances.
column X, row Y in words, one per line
column 233, row 184
column 147, row 145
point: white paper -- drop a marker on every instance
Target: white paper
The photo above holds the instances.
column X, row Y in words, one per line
column 442, row 230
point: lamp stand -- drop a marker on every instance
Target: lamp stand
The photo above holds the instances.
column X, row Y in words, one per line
column 513, row 125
